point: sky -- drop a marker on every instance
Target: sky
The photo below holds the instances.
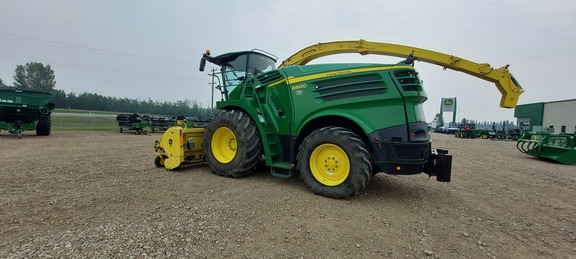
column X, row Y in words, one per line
column 143, row 49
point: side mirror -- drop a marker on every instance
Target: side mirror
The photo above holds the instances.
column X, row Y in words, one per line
column 202, row 64
column 203, row 60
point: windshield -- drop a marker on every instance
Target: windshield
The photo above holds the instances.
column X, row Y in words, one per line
column 235, row 71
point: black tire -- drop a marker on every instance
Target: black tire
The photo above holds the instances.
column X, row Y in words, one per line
column 121, row 130
column 158, row 162
column 44, row 125
column 484, row 136
column 350, row 153
column 232, row 144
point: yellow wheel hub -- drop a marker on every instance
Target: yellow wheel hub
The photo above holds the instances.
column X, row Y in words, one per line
column 224, row 145
column 329, row 164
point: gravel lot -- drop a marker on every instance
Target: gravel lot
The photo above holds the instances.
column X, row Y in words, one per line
column 98, row 195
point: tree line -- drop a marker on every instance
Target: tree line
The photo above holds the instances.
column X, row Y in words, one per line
column 92, row 101
column 491, row 125
column 39, row 77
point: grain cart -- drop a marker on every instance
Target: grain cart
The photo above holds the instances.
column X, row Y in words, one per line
column 133, row 122
column 22, row 110
column 334, row 124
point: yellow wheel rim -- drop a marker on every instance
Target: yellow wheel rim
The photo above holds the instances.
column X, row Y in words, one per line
column 329, row 164
column 224, row 145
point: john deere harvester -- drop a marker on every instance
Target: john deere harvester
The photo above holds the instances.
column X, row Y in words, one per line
column 335, row 125
column 22, row 110
column 556, row 147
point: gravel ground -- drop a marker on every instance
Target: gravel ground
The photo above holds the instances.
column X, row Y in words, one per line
column 98, row 195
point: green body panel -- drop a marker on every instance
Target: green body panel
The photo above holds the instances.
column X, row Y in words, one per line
column 370, row 99
column 293, row 101
column 21, row 109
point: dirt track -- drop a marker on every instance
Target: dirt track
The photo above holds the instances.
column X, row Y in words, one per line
column 88, row 194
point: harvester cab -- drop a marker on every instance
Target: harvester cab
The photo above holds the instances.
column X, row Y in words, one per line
column 236, row 67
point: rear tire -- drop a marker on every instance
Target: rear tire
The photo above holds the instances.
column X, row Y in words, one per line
column 232, row 144
column 334, row 162
column 44, row 125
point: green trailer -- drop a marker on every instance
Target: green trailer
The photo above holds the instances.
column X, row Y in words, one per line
column 22, row 110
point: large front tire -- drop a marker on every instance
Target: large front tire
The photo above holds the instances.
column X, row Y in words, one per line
column 334, row 162
column 232, row 144
column 44, row 126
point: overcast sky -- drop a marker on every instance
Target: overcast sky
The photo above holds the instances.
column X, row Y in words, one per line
column 151, row 49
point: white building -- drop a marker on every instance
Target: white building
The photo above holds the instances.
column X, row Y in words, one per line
column 558, row 116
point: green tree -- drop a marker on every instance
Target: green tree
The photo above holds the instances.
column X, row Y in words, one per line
column 2, row 83
column 34, row 76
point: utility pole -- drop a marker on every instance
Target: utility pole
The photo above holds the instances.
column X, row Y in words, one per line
column 213, row 74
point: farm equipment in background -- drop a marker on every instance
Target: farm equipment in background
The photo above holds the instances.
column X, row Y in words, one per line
column 162, row 123
column 507, row 134
column 22, row 110
column 133, row 122
column 490, row 134
column 199, row 121
column 512, row 134
column 449, row 128
column 556, row 147
column 334, row 124
column 466, row 130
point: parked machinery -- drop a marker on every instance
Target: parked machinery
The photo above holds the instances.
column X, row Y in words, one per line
column 335, row 124
column 466, row 130
column 504, row 133
column 133, row 122
column 556, row 147
column 162, row 123
column 22, row 110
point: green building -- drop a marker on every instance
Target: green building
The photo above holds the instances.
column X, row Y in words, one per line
column 556, row 116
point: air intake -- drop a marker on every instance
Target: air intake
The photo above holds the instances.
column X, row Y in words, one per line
column 270, row 77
